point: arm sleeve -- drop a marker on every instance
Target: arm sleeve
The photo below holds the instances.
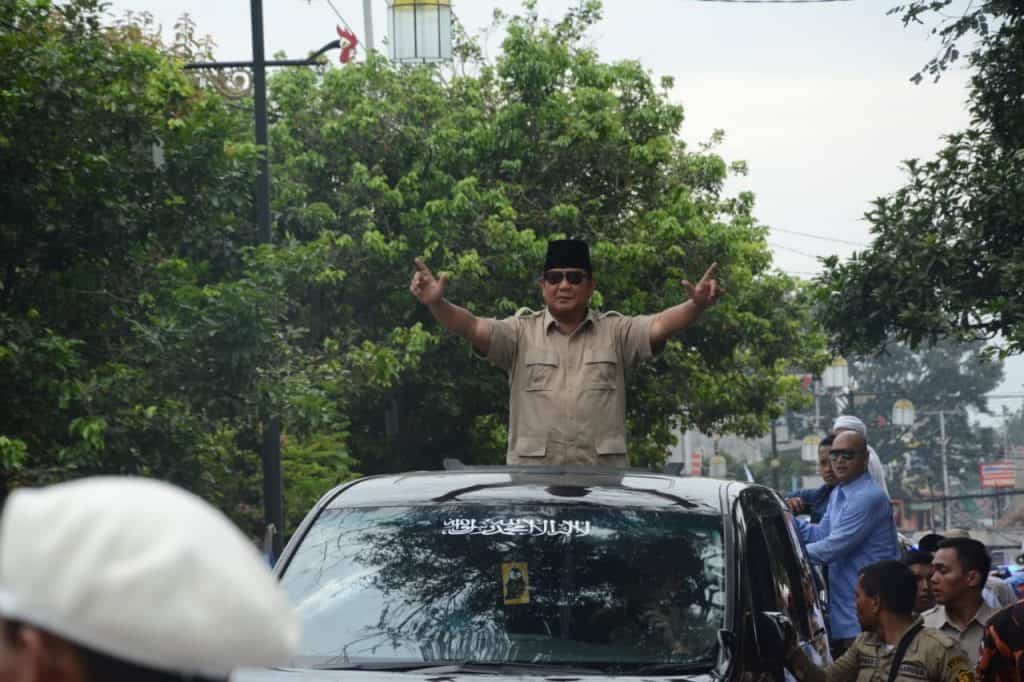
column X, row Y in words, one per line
column 863, row 513
column 504, row 342
column 844, row 669
column 634, row 338
column 955, row 667
column 1005, row 594
column 814, row 532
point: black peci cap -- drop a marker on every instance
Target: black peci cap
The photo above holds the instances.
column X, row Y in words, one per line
column 568, row 253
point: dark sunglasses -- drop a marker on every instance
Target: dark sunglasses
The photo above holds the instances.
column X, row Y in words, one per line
column 844, row 454
column 553, row 277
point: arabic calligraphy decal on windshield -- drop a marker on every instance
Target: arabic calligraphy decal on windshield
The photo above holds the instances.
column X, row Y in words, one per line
column 530, row 527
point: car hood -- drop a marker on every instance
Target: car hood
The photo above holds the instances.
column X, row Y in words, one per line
column 309, row 675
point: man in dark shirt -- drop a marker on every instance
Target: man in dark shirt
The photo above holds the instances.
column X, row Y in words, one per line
column 814, row 501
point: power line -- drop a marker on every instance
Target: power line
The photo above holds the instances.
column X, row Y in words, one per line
column 824, row 239
column 338, row 14
column 796, row 251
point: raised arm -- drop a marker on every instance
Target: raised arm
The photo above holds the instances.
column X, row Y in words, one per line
column 429, row 291
column 673, row 320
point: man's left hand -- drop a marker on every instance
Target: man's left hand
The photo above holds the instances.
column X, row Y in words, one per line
column 707, row 291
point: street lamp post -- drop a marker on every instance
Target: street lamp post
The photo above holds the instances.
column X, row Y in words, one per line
column 430, row 33
column 270, row 446
column 904, row 414
column 835, row 379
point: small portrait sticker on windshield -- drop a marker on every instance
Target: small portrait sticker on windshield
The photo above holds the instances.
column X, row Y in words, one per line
column 515, row 582
column 531, row 527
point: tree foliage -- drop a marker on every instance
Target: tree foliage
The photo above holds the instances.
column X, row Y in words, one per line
column 946, row 260
column 144, row 330
column 475, row 173
column 952, row 378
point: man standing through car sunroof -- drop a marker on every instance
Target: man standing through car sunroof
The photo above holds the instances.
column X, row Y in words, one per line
column 566, row 364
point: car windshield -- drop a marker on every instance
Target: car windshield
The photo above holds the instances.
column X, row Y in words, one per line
column 572, row 584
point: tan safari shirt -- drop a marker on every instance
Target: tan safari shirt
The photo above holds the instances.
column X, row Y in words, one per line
column 568, row 393
column 931, row 657
column 970, row 637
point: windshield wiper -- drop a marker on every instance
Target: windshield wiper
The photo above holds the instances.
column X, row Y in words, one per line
column 469, row 667
column 668, row 669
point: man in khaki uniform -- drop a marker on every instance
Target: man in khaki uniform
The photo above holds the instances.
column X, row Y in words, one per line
column 566, row 364
column 885, row 602
column 959, row 572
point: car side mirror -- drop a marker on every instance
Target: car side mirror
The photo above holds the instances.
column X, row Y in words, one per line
column 769, row 637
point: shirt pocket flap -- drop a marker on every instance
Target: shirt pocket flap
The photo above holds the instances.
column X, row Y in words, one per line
column 611, row 445
column 537, row 356
column 596, row 355
column 531, row 447
column 541, row 369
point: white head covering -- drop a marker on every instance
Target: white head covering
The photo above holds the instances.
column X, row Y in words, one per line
column 143, row 572
column 848, row 422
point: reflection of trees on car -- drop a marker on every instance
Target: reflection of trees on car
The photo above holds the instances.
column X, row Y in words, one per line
column 640, row 585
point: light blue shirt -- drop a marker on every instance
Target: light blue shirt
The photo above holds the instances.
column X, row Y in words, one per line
column 857, row 530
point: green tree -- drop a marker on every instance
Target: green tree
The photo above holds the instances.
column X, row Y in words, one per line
column 948, row 245
column 950, row 377
column 144, row 332
column 1013, row 428
column 141, row 333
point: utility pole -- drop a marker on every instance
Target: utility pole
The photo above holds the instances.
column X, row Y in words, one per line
column 945, row 471
column 368, row 25
column 270, row 441
column 775, row 459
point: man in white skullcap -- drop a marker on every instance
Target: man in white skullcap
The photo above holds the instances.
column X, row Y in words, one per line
column 847, row 422
column 111, row 579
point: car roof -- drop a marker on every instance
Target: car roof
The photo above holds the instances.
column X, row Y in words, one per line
column 535, row 484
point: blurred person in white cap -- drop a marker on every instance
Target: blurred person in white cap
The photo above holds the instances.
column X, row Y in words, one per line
column 116, row 579
column 847, row 422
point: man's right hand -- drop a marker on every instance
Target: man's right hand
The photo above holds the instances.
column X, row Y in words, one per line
column 425, row 287
column 796, row 505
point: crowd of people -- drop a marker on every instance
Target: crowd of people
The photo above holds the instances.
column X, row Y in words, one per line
column 934, row 611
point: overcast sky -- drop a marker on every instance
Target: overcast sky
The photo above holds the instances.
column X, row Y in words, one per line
column 816, row 98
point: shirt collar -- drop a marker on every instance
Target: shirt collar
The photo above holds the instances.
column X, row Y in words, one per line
column 550, row 320
column 939, row 619
column 873, row 637
column 855, row 483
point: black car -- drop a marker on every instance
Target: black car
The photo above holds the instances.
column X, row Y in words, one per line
column 547, row 572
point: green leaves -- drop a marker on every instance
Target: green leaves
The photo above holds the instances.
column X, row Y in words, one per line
column 144, row 330
column 945, row 259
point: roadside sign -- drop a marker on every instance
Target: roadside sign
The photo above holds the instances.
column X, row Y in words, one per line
column 998, row 475
column 696, row 464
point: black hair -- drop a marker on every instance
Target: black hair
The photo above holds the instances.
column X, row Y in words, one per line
column 972, row 554
column 915, row 557
column 827, row 441
column 893, row 583
column 103, row 668
column 930, row 542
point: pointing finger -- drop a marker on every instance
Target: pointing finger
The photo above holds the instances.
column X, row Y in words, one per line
column 710, row 273
column 422, row 267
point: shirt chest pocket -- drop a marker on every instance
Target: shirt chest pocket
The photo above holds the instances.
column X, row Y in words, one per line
column 541, row 370
column 600, row 369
